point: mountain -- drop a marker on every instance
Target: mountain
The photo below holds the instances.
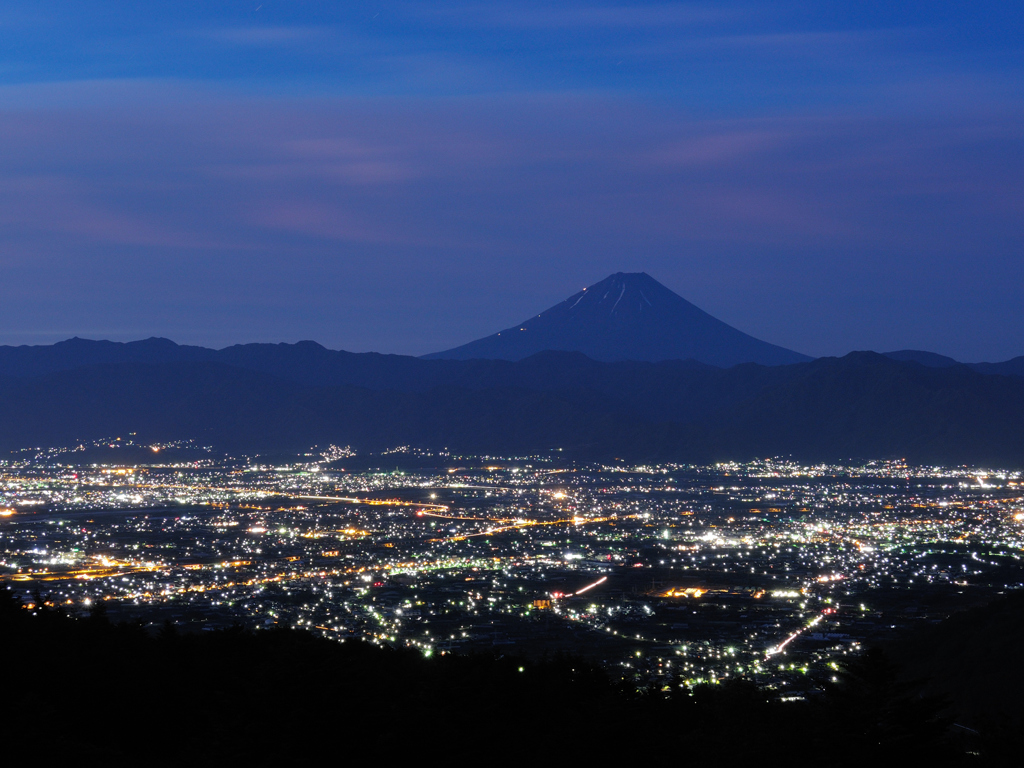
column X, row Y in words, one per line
column 233, row 409
column 627, row 316
column 929, row 359
column 36, row 360
column 1012, row 367
column 288, row 397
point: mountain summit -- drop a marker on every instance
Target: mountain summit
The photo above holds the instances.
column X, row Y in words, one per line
column 627, row 316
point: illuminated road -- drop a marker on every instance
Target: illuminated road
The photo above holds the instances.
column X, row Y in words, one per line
column 782, row 646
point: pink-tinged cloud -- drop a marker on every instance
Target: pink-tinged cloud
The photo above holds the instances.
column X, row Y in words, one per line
column 427, row 173
column 726, row 147
column 52, row 207
column 311, row 219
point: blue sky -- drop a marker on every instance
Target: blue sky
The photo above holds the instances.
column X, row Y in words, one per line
column 404, row 177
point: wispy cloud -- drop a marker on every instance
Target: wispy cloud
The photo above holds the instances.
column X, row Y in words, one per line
column 415, row 189
column 555, row 16
column 266, row 36
column 151, row 177
column 65, row 209
column 809, row 40
column 732, row 142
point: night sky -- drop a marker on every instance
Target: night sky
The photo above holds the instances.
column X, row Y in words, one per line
column 408, row 176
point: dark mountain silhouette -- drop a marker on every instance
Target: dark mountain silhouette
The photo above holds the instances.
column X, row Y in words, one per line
column 865, row 405
column 238, row 410
column 1014, row 367
column 278, row 397
column 930, row 359
column 307, row 362
column 27, row 360
column 627, row 316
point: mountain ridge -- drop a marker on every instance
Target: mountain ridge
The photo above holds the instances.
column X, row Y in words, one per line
column 288, row 397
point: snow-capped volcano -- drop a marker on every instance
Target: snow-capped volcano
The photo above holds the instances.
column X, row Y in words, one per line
column 627, row 316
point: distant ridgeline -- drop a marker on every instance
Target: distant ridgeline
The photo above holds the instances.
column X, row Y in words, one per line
column 277, row 397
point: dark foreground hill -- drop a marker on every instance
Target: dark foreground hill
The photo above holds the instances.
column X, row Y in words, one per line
column 972, row 662
column 627, row 316
column 861, row 406
column 87, row 690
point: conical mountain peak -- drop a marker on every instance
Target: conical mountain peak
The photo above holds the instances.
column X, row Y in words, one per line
column 627, row 316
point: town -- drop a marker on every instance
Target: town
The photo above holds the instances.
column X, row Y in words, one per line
column 768, row 571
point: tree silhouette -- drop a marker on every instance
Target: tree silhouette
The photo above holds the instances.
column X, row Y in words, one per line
column 883, row 716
